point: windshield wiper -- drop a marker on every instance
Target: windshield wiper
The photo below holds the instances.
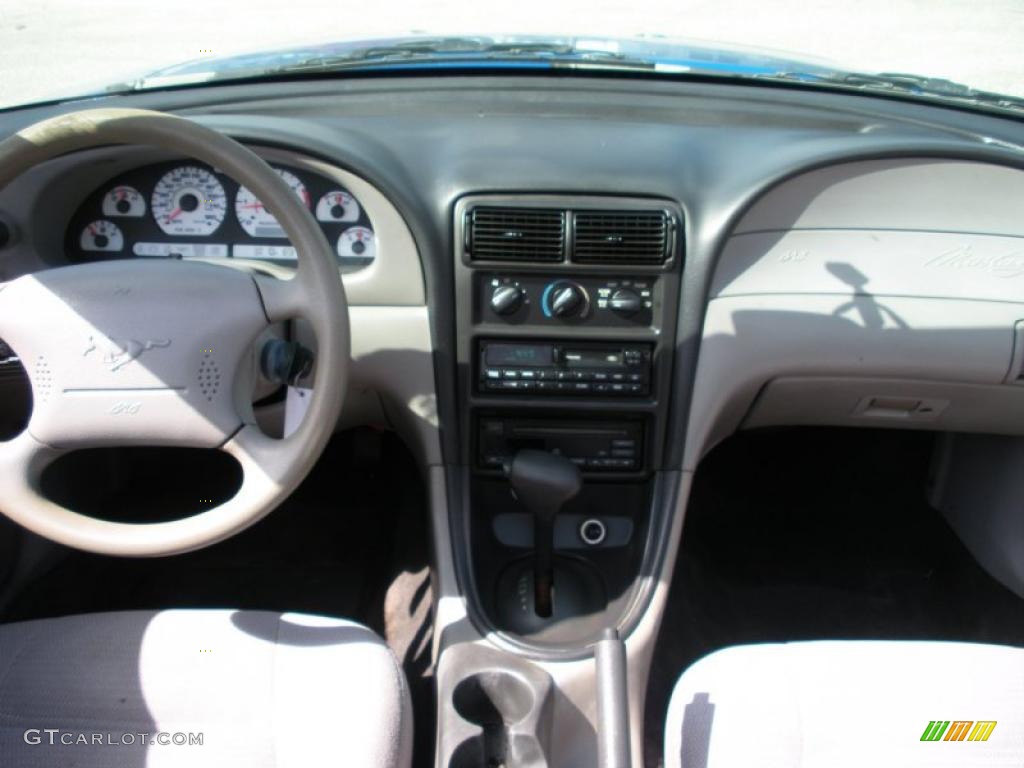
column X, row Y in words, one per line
column 903, row 84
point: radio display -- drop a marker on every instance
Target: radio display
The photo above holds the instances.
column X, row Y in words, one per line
column 519, row 354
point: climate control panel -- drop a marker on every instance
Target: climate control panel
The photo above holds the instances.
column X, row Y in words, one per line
column 558, row 301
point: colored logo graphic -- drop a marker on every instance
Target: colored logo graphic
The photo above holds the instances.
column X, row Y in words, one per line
column 958, row 730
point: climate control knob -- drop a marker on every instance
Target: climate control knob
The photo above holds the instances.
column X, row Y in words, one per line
column 565, row 300
column 506, row 299
column 625, row 301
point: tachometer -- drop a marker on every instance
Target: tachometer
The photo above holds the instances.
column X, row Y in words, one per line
column 124, row 201
column 337, row 206
column 189, row 200
column 101, row 235
column 357, row 243
column 256, row 220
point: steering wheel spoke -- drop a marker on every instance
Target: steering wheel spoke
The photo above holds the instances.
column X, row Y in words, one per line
column 22, row 461
column 282, row 299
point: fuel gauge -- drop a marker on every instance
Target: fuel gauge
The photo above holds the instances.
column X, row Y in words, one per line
column 337, row 206
column 124, row 201
column 101, row 235
column 357, row 243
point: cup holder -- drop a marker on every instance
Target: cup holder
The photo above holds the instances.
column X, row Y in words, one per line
column 503, row 721
column 493, row 698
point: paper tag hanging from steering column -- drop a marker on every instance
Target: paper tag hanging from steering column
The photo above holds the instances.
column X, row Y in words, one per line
column 296, row 404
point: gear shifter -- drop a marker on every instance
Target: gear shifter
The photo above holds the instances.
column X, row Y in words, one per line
column 543, row 482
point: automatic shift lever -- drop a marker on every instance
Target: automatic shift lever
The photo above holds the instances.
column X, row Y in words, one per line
column 543, row 482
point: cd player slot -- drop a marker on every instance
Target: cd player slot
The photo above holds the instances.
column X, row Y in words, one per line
column 599, row 446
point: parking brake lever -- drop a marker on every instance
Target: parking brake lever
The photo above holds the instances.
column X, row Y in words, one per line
column 543, row 482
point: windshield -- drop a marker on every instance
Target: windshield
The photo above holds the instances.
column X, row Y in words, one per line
column 67, row 48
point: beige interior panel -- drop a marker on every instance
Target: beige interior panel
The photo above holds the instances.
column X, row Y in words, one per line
column 749, row 341
column 908, row 194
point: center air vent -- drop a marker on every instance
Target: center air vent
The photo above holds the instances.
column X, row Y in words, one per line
column 516, row 234
column 621, row 237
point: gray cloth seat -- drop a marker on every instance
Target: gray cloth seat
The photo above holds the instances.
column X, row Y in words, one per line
column 256, row 688
column 839, row 704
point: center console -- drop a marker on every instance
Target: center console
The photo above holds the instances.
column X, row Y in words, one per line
column 565, row 313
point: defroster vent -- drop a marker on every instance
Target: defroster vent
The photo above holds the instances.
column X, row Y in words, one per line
column 622, row 237
column 515, row 234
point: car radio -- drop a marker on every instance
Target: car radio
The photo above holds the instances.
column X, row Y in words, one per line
column 552, row 368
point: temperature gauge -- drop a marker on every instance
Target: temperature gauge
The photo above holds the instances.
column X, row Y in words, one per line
column 357, row 243
column 124, row 201
column 337, row 206
column 101, row 235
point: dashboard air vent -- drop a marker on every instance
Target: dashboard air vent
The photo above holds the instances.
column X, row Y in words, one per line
column 621, row 237
column 516, row 234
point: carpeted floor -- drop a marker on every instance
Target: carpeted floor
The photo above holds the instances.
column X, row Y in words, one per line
column 819, row 534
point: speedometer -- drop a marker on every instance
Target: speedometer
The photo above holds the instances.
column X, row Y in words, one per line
column 189, row 200
column 255, row 219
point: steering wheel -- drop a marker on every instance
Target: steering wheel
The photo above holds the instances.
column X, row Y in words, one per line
column 140, row 352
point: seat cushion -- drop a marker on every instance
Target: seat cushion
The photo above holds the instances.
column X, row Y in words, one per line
column 849, row 703
column 257, row 688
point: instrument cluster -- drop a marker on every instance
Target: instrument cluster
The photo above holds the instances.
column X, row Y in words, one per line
column 188, row 210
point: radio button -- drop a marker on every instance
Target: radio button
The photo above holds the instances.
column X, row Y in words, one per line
column 527, row 374
column 492, row 373
column 618, row 377
column 510, row 373
column 581, row 386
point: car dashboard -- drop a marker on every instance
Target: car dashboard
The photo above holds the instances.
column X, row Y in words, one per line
column 622, row 271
